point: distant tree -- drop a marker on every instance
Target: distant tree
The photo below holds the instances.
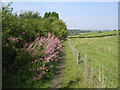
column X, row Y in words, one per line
column 30, row 14
column 51, row 14
column 54, row 14
column 47, row 14
column 99, row 31
column 6, row 10
column 114, row 30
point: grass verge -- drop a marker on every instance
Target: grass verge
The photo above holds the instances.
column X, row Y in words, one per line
column 72, row 74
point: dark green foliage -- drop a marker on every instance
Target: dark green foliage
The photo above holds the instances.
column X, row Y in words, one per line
column 76, row 31
column 59, row 28
column 99, row 31
column 54, row 14
column 30, row 14
column 24, row 28
column 51, row 14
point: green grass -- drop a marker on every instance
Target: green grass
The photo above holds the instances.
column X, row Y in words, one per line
column 72, row 74
column 96, row 34
column 102, row 50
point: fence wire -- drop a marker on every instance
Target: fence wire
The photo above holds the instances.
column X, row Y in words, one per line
column 99, row 75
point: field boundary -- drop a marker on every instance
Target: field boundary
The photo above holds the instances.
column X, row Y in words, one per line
column 95, row 74
column 92, row 36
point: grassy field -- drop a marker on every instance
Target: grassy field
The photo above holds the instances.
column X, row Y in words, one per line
column 104, row 50
column 96, row 34
column 99, row 51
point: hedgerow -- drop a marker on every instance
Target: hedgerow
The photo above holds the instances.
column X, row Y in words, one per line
column 31, row 45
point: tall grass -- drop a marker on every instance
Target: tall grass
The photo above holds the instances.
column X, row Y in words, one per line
column 100, row 50
column 103, row 51
column 73, row 73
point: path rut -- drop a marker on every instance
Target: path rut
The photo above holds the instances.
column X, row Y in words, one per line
column 57, row 78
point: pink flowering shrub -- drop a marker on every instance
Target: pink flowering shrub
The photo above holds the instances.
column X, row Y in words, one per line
column 42, row 54
column 13, row 39
column 45, row 51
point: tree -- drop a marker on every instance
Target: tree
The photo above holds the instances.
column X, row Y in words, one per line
column 54, row 14
column 30, row 14
column 51, row 14
column 99, row 31
column 47, row 14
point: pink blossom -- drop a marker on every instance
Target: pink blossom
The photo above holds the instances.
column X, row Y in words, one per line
column 46, row 50
column 43, row 71
column 23, row 32
column 37, row 60
column 42, row 68
column 39, row 77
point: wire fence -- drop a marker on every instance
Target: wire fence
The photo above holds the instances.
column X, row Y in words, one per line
column 95, row 73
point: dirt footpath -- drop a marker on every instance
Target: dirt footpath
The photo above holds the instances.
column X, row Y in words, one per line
column 57, row 79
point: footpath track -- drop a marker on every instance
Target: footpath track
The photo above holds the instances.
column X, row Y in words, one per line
column 57, row 78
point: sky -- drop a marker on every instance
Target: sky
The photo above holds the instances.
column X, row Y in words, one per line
column 77, row 15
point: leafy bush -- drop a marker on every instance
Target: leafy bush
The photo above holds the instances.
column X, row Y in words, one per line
column 45, row 51
column 30, row 14
column 99, row 31
column 25, row 39
column 51, row 14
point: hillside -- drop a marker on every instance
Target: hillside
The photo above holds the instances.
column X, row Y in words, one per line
column 77, row 31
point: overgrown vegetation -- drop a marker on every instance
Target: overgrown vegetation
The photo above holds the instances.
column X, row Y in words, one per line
column 32, row 45
column 25, row 39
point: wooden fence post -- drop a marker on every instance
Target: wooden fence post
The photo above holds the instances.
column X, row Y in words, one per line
column 78, row 58
column 85, row 67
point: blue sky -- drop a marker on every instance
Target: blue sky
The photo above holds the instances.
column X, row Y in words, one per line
column 77, row 15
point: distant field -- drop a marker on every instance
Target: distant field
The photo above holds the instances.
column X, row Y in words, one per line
column 96, row 34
